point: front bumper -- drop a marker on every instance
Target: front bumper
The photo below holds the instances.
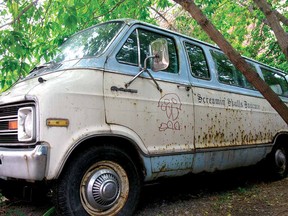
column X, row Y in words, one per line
column 23, row 164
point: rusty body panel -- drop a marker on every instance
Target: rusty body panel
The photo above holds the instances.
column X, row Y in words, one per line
column 236, row 120
column 193, row 125
column 205, row 160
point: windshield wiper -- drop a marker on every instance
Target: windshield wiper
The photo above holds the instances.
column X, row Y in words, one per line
column 45, row 65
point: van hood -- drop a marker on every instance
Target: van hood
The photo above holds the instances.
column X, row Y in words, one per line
column 20, row 90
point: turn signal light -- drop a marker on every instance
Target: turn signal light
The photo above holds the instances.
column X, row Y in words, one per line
column 13, row 125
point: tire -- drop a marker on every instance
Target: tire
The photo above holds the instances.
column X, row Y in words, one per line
column 280, row 162
column 102, row 181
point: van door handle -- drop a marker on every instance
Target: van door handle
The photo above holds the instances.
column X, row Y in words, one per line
column 187, row 87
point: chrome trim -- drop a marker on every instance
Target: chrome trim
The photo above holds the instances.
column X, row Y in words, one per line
column 28, row 164
column 4, row 118
column 138, row 49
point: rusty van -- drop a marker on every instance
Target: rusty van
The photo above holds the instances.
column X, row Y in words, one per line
column 124, row 103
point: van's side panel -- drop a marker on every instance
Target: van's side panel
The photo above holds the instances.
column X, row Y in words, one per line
column 234, row 126
column 221, row 126
column 230, row 119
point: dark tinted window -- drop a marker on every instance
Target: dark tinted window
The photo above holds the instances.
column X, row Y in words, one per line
column 227, row 73
column 276, row 81
column 128, row 53
column 197, row 61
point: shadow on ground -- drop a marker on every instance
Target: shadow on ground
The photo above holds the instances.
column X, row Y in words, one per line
column 235, row 192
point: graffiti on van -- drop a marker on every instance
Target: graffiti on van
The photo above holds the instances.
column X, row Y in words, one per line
column 210, row 100
column 229, row 102
column 171, row 105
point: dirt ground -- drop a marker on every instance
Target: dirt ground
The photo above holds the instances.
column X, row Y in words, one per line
column 240, row 192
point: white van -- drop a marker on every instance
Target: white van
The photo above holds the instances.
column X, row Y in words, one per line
column 124, row 103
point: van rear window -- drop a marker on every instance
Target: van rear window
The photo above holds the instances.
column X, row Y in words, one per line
column 276, row 81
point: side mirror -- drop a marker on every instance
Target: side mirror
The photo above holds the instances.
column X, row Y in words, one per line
column 159, row 50
column 159, row 58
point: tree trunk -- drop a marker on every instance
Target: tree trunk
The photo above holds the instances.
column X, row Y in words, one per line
column 273, row 22
column 236, row 58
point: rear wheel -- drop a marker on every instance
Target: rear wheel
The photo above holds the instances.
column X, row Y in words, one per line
column 279, row 162
column 100, row 181
column 280, row 158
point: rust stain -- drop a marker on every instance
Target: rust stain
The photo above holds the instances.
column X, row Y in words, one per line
column 27, row 164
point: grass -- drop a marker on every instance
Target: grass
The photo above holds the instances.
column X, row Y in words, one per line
column 50, row 212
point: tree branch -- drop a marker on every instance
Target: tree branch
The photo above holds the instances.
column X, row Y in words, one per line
column 20, row 14
column 273, row 22
column 164, row 18
column 235, row 58
column 111, row 10
column 281, row 17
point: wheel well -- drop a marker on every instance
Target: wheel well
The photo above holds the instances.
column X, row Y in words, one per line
column 281, row 141
column 118, row 142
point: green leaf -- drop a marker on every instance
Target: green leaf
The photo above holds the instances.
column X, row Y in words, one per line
column 50, row 212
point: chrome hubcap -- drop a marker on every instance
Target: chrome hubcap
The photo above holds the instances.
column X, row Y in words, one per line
column 103, row 189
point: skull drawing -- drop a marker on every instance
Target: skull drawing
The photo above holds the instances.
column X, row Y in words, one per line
column 171, row 105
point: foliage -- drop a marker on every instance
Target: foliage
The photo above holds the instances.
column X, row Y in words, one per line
column 243, row 25
column 32, row 30
column 50, row 212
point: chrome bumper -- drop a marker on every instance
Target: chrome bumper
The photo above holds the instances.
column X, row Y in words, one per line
column 23, row 164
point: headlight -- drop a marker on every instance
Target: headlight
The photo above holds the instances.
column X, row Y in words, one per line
column 26, row 119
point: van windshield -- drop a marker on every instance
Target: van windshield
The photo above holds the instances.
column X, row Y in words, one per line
column 88, row 43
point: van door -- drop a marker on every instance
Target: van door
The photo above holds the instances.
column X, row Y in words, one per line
column 161, row 122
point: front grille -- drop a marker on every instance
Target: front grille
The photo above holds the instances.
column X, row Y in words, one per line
column 8, row 113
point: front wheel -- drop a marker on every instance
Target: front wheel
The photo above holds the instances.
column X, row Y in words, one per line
column 101, row 181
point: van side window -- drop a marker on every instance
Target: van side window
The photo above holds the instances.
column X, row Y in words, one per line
column 129, row 52
column 276, row 81
column 227, row 72
column 198, row 64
